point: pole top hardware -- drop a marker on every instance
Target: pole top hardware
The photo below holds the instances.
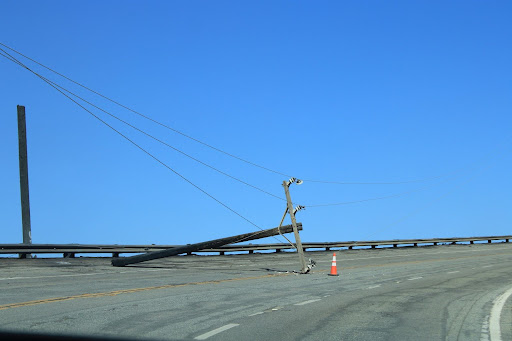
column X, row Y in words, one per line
column 294, row 180
column 299, row 208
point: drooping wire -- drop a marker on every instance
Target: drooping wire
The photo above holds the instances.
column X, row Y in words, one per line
column 377, row 183
column 399, row 194
column 164, row 143
column 12, row 59
column 168, row 145
column 428, row 204
column 55, row 85
column 209, row 145
column 221, row 172
column 147, row 117
column 370, row 199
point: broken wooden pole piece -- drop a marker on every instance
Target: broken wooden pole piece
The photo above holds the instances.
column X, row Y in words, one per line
column 211, row 244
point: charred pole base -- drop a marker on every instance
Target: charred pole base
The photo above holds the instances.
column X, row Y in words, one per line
column 211, row 244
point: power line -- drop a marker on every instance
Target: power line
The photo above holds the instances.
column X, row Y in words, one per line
column 199, row 161
column 210, row 146
column 11, row 58
column 168, row 145
column 163, row 142
column 399, row 194
column 369, row 199
column 147, row 117
column 429, row 204
column 56, row 86
column 377, row 183
column 228, row 175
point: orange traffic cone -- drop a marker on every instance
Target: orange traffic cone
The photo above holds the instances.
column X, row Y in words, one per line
column 334, row 269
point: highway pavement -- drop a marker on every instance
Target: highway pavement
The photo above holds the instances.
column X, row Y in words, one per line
column 455, row 292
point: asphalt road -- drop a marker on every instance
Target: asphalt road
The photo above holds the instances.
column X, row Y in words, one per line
column 454, row 292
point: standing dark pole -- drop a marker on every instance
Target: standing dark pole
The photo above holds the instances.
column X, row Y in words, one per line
column 25, row 202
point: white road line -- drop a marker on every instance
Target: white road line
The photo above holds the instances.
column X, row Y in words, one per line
column 494, row 319
column 484, row 332
column 258, row 313
column 374, row 286
column 308, row 302
column 216, row 331
column 453, row 272
column 414, row 278
column 86, row 274
column 408, row 255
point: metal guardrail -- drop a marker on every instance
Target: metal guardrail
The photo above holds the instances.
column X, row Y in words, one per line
column 70, row 250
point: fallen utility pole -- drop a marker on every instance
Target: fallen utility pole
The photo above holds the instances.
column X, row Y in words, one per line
column 211, row 244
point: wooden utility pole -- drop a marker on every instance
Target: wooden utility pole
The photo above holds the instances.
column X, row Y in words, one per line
column 298, row 243
column 25, row 202
column 210, row 244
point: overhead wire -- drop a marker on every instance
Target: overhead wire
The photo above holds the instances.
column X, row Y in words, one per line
column 56, row 87
column 63, row 90
column 209, row 145
column 168, row 145
column 474, row 166
column 428, row 204
column 165, row 143
column 377, row 183
column 371, row 199
column 217, row 170
column 228, row 175
column 5, row 54
column 147, row 117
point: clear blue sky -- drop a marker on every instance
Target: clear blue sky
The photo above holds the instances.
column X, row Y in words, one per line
column 373, row 91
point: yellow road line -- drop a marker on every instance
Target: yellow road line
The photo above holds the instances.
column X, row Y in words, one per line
column 127, row 291
column 168, row 286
